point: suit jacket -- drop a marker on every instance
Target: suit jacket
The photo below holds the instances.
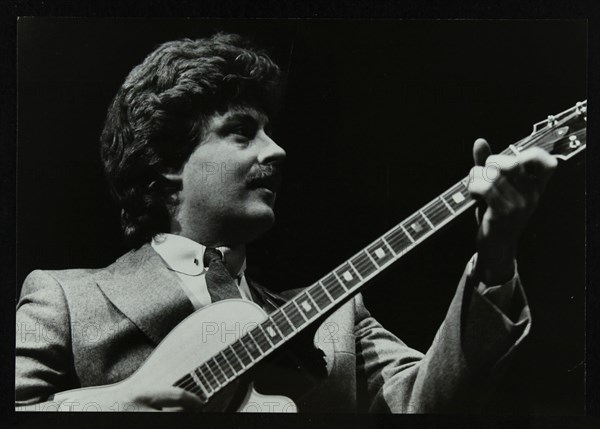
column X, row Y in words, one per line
column 87, row 327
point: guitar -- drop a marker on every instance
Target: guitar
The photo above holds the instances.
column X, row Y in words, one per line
column 220, row 369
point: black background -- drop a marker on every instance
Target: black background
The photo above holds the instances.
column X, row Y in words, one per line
column 379, row 118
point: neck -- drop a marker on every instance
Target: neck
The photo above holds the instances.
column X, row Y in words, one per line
column 218, row 233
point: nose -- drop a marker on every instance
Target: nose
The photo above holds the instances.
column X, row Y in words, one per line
column 270, row 152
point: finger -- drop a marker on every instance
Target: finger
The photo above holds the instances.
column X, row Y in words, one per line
column 478, row 184
column 479, row 212
column 514, row 199
column 172, row 397
column 538, row 164
column 496, row 165
column 497, row 201
column 498, row 193
column 481, row 150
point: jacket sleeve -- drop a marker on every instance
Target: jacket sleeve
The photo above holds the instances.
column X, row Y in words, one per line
column 470, row 351
column 43, row 347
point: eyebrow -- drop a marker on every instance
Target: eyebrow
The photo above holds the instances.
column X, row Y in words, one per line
column 257, row 116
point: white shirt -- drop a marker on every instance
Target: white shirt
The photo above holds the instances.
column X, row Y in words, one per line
column 184, row 257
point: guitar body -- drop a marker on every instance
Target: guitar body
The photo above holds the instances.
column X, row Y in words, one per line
column 192, row 342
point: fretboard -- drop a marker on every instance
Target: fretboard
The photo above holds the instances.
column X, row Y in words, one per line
column 332, row 290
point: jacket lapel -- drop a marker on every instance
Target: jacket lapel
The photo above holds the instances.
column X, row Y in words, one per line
column 146, row 292
column 268, row 300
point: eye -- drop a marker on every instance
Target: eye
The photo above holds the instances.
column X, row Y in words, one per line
column 244, row 131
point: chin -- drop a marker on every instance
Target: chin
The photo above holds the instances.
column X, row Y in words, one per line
column 252, row 223
column 264, row 218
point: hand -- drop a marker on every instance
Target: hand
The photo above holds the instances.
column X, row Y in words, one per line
column 120, row 397
column 510, row 187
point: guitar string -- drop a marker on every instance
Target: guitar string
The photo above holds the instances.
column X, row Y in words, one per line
column 366, row 262
column 226, row 362
column 434, row 209
column 432, row 216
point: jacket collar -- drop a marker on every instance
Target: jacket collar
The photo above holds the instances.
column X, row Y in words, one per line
column 141, row 287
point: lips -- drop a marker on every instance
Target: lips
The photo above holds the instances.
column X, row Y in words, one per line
column 271, row 182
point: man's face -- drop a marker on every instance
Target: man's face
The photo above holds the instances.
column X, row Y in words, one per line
column 230, row 180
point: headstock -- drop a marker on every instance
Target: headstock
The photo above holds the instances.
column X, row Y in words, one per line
column 562, row 135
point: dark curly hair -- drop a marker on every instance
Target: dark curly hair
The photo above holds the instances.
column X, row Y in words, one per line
column 158, row 116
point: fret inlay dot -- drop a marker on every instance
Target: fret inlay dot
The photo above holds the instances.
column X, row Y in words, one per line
column 458, row 198
column 271, row 331
column 306, row 306
column 416, row 227
column 347, row 276
column 380, row 253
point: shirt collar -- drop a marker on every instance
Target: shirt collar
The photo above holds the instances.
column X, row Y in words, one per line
column 185, row 255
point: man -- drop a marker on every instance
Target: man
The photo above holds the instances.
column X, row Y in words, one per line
column 194, row 108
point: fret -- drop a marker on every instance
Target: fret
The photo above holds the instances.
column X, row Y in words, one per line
column 339, row 281
column 215, row 359
column 237, row 358
column 447, row 205
column 282, row 323
column 199, row 383
column 261, row 349
column 232, row 360
column 320, row 296
column 457, row 196
column 250, row 347
column 203, row 380
column 333, row 286
column 417, row 226
column 212, row 367
column 308, row 305
column 262, row 334
column 400, row 240
column 272, row 332
column 412, row 240
column 300, row 311
column 294, row 314
column 388, row 245
column 210, row 377
column 436, row 213
column 426, row 219
column 241, row 354
column 355, row 270
column 347, row 276
column 514, row 149
column 374, row 264
column 331, row 298
column 380, row 253
column 227, row 368
column 287, row 318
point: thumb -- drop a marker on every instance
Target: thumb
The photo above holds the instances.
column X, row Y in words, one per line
column 481, row 150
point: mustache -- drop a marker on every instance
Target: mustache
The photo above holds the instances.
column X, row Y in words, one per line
column 268, row 176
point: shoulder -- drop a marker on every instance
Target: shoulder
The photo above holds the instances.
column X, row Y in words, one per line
column 61, row 281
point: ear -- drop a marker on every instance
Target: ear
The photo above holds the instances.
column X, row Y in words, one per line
column 172, row 182
column 175, row 178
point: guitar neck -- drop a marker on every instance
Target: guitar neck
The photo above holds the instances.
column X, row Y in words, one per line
column 562, row 135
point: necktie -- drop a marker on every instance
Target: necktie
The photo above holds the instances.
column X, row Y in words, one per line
column 219, row 282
